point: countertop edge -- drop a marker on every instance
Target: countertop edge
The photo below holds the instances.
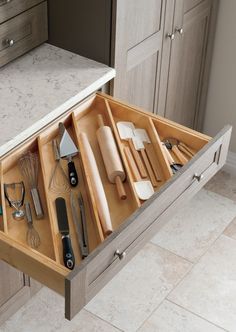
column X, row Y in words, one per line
column 5, row 148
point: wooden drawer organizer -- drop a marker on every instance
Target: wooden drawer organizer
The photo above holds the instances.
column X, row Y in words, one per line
column 134, row 221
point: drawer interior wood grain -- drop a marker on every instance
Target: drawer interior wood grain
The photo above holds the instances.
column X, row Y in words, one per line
column 131, row 218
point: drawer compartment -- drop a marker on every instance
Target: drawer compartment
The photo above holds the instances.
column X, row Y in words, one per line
column 22, row 33
column 11, row 8
column 134, row 219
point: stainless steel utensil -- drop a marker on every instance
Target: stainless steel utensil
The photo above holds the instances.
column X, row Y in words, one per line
column 80, row 224
column 15, row 194
column 68, row 150
column 62, row 219
column 32, row 236
column 58, row 181
column 29, row 167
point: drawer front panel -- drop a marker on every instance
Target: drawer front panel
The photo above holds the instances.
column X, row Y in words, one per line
column 11, row 8
column 22, row 33
column 103, row 264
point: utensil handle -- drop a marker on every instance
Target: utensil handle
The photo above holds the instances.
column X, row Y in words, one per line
column 120, row 188
column 68, row 254
column 183, row 160
column 37, row 203
column 73, row 177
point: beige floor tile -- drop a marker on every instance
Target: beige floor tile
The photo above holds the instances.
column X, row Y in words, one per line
column 139, row 288
column 231, row 229
column 195, row 227
column 171, row 318
column 209, row 290
column 45, row 313
column 224, row 184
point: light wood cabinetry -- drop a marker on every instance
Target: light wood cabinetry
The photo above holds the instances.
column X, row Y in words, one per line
column 23, row 26
column 137, row 51
column 15, row 289
column 161, row 49
column 186, row 62
column 134, row 221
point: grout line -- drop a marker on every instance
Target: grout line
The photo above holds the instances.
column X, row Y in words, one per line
column 103, row 320
column 195, row 314
column 172, row 252
column 174, row 286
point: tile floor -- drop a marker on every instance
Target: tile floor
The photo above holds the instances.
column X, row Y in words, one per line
column 190, row 285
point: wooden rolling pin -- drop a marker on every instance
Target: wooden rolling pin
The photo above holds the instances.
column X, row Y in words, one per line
column 96, row 183
column 111, row 157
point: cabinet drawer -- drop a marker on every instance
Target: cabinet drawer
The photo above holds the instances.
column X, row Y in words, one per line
column 134, row 220
column 22, row 33
column 11, row 8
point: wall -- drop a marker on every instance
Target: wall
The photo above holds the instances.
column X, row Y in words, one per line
column 221, row 100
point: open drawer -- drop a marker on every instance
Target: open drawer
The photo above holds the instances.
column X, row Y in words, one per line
column 134, row 220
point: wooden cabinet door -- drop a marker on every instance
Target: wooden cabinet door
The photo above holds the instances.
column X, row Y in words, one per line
column 137, row 36
column 190, row 52
column 15, row 290
column 11, row 282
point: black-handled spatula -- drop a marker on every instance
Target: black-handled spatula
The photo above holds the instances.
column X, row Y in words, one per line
column 62, row 219
column 68, row 150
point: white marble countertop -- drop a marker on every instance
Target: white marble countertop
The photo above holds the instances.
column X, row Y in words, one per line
column 41, row 85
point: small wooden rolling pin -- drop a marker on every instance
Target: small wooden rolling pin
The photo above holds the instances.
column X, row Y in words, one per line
column 111, row 157
column 96, row 182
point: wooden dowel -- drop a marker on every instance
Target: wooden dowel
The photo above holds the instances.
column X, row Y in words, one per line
column 120, row 188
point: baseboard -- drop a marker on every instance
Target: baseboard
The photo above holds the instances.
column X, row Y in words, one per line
column 230, row 165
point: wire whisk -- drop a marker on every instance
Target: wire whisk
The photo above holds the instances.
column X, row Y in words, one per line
column 29, row 167
column 32, row 236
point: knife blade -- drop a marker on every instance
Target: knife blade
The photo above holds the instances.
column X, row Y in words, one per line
column 68, row 150
column 62, row 219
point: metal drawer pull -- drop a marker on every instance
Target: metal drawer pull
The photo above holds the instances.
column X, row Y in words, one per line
column 171, row 36
column 180, row 30
column 198, row 177
column 119, row 254
column 4, row 2
column 9, row 42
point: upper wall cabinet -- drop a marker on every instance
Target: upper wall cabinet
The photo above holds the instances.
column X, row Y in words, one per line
column 161, row 49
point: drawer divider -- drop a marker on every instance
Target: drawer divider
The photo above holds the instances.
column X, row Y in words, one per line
column 3, row 201
column 51, row 219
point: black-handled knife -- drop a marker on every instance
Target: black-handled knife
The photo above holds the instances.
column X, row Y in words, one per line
column 62, row 219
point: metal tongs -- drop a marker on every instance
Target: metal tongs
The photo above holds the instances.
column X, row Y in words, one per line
column 80, row 223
